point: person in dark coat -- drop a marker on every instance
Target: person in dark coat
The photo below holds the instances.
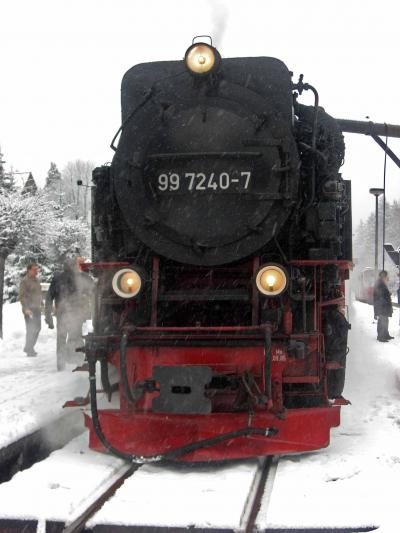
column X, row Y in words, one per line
column 398, row 294
column 383, row 308
column 70, row 291
column 30, row 296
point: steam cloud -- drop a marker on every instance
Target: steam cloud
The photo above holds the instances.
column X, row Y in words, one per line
column 219, row 17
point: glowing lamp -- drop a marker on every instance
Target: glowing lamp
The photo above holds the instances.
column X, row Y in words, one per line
column 271, row 280
column 126, row 283
column 201, row 59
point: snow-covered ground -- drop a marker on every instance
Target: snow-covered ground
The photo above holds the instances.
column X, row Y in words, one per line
column 356, row 480
column 57, row 487
column 352, row 483
column 32, row 392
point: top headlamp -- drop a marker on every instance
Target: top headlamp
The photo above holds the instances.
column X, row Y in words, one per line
column 201, row 59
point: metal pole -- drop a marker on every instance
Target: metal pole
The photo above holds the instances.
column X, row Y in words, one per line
column 384, row 208
column 368, row 127
column 376, row 192
column 376, row 236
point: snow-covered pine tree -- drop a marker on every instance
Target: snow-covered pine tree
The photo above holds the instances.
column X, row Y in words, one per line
column 53, row 175
column 54, row 185
column 6, row 178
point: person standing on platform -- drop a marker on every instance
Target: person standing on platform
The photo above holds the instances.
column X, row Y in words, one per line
column 383, row 308
column 70, row 291
column 30, row 295
column 398, row 293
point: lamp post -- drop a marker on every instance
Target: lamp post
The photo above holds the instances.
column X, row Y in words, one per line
column 81, row 184
column 376, row 193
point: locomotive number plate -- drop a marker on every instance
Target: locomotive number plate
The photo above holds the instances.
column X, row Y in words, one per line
column 199, row 181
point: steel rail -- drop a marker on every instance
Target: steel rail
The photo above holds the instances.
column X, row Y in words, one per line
column 250, row 509
column 252, row 505
column 79, row 523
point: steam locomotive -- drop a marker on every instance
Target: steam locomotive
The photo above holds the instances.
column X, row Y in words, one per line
column 221, row 246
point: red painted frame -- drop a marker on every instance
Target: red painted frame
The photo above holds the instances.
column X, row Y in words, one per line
column 137, row 430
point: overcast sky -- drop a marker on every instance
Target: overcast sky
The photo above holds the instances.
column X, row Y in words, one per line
column 62, row 62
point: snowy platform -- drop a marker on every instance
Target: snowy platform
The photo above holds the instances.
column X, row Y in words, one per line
column 32, row 392
column 355, row 482
column 54, row 490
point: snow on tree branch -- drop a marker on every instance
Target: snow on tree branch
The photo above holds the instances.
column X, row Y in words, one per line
column 24, row 220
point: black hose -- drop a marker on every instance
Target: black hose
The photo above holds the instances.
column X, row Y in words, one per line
column 308, row 87
column 105, row 380
column 146, row 97
column 285, row 259
column 304, row 305
column 108, row 387
column 267, row 363
column 172, row 454
column 122, row 368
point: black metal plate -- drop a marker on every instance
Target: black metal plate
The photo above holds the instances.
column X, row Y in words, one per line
column 182, row 389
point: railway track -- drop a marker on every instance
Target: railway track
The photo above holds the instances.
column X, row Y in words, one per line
column 260, row 491
column 58, row 496
column 263, row 482
column 78, row 524
column 251, row 505
column 232, row 497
